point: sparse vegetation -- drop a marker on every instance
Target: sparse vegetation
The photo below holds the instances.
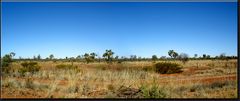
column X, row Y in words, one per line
column 129, row 79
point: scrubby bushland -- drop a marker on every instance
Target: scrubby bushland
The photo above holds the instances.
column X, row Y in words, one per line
column 6, row 61
column 66, row 66
column 167, row 68
column 31, row 67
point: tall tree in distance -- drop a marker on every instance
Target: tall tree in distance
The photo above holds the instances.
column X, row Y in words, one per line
column 183, row 57
column 154, row 58
column 34, row 57
column 222, row 56
column 170, row 53
column 93, row 55
column 12, row 54
column 51, row 56
column 108, row 55
column 78, row 57
column 204, row 56
column 87, row 57
column 39, row 57
column 175, row 55
column 195, row 55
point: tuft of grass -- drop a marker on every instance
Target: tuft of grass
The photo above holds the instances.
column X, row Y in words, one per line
column 152, row 91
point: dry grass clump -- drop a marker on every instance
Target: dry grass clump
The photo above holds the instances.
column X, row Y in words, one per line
column 202, row 90
column 152, row 91
column 24, row 84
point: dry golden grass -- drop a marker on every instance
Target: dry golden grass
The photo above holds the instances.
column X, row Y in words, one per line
column 101, row 80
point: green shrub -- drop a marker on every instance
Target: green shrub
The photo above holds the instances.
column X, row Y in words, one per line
column 5, row 63
column 31, row 67
column 66, row 66
column 167, row 68
column 152, row 91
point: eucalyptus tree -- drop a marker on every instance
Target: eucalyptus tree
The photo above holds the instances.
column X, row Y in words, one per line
column 183, row 57
column 108, row 55
column 175, row 55
column 39, row 57
column 222, row 56
column 195, row 56
column 115, row 59
column 51, row 56
column 170, row 53
column 154, row 58
column 93, row 55
column 87, row 57
column 78, row 57
column 34, row 57
column 204, row 56
column 12, row 54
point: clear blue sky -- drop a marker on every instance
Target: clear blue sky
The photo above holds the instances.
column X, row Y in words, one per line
column 142, row 29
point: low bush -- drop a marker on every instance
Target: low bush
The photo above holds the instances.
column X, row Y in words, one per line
column 31, row 67
column 5, row 62
column 152, row 91
column 167, row 68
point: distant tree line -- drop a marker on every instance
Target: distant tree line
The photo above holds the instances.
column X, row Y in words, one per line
column 109, row 57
